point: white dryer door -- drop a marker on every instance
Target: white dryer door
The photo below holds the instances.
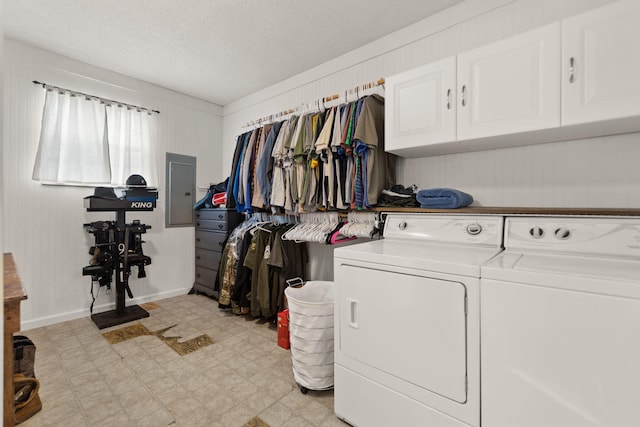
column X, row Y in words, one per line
column 409, row 326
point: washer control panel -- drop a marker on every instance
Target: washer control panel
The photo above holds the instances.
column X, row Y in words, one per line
column 589, row 235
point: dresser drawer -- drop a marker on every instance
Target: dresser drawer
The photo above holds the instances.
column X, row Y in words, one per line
column 210, row 240
column 206, row 277
column 211, row 214
column 209, row 259
column 207, row 224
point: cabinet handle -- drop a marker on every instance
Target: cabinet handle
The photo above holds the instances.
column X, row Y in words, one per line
column 448, row 99
column 197, row 257
column 220, row 226
column 463, row 95
column 571, row 70
column 221, row 216
column 197, row 239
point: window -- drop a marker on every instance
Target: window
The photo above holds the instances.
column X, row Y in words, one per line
column 89, row 141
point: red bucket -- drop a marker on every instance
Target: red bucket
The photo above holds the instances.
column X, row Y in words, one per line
column 283, row 329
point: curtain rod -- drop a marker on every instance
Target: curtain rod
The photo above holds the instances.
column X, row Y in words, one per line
column 105, row 100
column 323, row 100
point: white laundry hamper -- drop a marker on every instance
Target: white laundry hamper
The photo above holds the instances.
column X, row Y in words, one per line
column 311, row 334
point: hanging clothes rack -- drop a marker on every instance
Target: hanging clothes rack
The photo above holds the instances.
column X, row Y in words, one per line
column 270, row 118
column 355, row 90
column 99, row 98
column 318, row 102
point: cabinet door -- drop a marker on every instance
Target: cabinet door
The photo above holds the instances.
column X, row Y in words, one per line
column 510, row 86
column 601, row 64
column 420, row 107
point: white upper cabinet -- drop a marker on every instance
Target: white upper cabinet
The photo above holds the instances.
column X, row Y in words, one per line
column 421, row 107
column 573, row 79
column 601, row 64
column 505, row 87
column 510, row 86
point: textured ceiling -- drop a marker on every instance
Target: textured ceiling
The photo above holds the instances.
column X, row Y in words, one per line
column 215, row 50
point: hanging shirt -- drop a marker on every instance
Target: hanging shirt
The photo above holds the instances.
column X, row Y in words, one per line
column 238, row 183
column 279, row 154
column 303, row 131
column 323, row 149
column 380, row 166
column 264, row 171
column 247, row 168
column 291, row 193
column 231, row 201
column 311, row 176
column 256, row 195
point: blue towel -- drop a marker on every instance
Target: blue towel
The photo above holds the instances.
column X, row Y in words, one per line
column 443, row 198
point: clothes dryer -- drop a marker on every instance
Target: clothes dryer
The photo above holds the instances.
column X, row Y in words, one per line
column 560, row 324
column 407, row 322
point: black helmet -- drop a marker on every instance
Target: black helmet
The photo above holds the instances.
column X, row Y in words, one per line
column 136, row 181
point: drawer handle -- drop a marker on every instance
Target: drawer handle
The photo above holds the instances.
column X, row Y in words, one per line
column 221, row 216
column 197, row 239
column 197, row 257
column 220, row 226
column 198, row 215
column 197, row 224
column 197, row 275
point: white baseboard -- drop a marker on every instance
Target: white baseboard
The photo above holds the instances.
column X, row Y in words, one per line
column 78, row 314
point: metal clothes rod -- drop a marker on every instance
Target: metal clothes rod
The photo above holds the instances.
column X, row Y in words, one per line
column 323, row 100
column 105, row 100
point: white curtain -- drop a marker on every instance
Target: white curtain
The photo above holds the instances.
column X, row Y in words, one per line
column 73, row 141
column 130, row 147
column 85, row 141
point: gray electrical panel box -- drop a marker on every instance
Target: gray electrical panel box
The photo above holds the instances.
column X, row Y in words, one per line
column 181, row 190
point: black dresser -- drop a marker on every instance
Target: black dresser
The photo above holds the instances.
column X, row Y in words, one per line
column 213, row 226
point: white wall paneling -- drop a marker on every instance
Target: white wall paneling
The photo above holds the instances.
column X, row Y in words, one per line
column 43, row 224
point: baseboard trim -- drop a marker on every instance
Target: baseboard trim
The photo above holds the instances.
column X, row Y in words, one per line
column 78, row 314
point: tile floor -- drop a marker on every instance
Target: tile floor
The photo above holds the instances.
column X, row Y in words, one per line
column 241, row 379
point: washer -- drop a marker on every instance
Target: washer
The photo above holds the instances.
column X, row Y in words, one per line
column 560, row 324
column 407, row 322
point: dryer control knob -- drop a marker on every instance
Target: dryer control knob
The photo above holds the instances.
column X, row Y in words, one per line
column 402, row 225
column 562, row 233
column 474, row 229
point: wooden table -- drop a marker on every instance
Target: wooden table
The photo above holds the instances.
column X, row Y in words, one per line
column 13, row 294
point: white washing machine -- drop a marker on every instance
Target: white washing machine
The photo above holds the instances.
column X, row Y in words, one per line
column 407, row 322
column 560, row 324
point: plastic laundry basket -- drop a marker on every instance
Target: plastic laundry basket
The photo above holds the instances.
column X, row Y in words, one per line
column 311, row 334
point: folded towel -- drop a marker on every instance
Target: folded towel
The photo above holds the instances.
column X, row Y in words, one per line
column 443, row 198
